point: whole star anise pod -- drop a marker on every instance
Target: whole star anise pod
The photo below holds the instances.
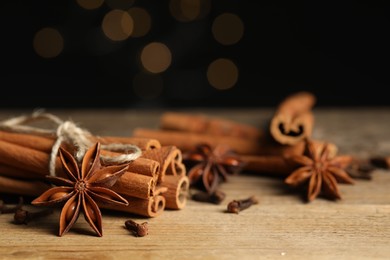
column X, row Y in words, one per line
column 319, row 171
column 208, row 167
column 87, row 182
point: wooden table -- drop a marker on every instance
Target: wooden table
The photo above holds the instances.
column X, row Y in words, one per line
column 281, row 226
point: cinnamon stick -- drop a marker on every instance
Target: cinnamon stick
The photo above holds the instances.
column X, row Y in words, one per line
column 22, row 187
column 178, row 187
column 150, row 207
column 45, row 143
column 169, row 157
column 142, row 143
column 141, row 165
column 293, row 119
column 274, row 165
column 135, row 185
column 186, row 141
column 281, row 165
column 36, row 142
column 203, row 124
column 14, row 172
column 26, row 158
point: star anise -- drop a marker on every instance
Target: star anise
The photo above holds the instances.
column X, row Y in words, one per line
column 209, row 167
column 87, row 182
column 320, row 172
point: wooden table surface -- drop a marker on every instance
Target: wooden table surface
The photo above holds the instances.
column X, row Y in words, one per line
column 280, row 226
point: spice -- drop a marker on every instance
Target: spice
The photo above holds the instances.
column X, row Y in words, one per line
column 293, row 118
column 24, row 217
column 86, row 183
column 139, row 230
column 319, row 171
column 208, row 167
column 381, row 161
column 5, row 209
column 202, row 123
column 360, row 169
column 235, row 206
column 216, row 197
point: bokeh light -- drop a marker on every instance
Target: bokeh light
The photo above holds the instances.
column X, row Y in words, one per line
column 48, row 42
column 117, row 25
column 142, row 21
column 227, row 29
column 147, row 86
column 156, row 57
column 222, row 74
column 90, row 4
column 189, row 10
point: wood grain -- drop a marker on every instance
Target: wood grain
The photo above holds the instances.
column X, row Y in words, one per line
column 281, row 225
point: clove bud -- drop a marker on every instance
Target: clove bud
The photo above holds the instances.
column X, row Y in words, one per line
column 139, row 230
column 236, row 206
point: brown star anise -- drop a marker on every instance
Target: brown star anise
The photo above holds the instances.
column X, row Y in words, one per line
column 87, row 182
column 208, row 167
column 320, row 171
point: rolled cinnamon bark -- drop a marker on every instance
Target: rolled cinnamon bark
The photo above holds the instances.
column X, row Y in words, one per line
column 203, row 124
column 150, row 207
column 177, row 193
column 186, row 141
column 45, row 143
column 293, row 119
column 22, row 187
column 26, row 158
column 135, row 185
column 36, row 142
column 274, row 165
column 14, row 172
column 141, row 165
column 281, row 165
column 169, row 157
column 142, row 143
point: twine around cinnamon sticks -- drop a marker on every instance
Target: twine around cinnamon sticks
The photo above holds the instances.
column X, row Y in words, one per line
column 155, row 180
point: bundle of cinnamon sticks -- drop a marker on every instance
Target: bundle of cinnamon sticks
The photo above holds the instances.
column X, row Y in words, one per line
column 153, row 182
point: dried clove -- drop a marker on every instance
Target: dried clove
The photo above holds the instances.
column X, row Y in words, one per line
column 216, row 197
column 4, row 209
column 381, row 161
column 236, row 206
column 24, row 216
column 139, row 230
column 361, row 169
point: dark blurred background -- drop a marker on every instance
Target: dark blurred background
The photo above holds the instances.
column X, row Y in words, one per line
column 192, row 53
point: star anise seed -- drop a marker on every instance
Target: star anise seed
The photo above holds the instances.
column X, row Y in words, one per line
column 86, row 183
column 209, row 167
column 320, row 171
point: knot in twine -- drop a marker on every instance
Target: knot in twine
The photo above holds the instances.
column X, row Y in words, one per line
column 69, row 132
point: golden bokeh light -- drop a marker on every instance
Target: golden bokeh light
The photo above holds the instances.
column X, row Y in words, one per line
column 48, row 42
column 90, row 4
column 227, row 29
column 120, row 4
column 156, row 57
column 147, row 86
column 117, row 25
column 222, row 74
column 142, row 21
column 189, row 10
